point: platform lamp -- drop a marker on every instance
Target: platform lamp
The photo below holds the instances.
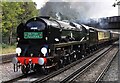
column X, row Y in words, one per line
column 117, row 2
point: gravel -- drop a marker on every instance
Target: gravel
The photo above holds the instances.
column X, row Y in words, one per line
column 72, row 69
column 93, row 72
column 7, row 72
column 112, row 73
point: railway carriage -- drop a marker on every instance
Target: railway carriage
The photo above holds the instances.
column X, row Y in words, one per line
column 114, row 36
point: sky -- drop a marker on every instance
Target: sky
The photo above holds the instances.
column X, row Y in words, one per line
column 106, row 7
column 40, row 3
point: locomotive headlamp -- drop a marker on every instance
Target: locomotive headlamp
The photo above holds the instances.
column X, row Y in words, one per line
column 31, row 55
column 18, row 50
column 44, row 50
column 41, row 61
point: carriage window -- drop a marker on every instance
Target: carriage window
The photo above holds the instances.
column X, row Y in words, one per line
column 36, row 25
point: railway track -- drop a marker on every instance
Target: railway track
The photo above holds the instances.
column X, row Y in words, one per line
column 19, row 78
column 85, row 70
column 99, row 79
column 6, row 58
column 44, row 78
column 112, row 72
column 56, row 73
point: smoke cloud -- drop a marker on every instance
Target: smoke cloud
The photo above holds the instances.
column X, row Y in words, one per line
column 81, row 9
column 84, row 11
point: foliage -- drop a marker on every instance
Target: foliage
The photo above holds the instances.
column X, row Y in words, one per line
column 7, row 48
column 13, row 13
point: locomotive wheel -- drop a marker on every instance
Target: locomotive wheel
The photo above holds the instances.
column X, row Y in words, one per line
column 83, row 56
column 65, row 60
column 57, row 66
column 68, row 59
column 61, row 63
column 37, row 68
column 75, row 57
column 24, row 69
column 46, row 71
column 71, row 58
column 79, row 55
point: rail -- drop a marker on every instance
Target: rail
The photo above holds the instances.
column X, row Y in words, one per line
column 80, row 70
column 41, row 80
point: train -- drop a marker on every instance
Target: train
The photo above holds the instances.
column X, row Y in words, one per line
column 44, row 43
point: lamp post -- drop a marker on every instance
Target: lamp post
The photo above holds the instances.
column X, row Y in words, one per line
column 117, row 2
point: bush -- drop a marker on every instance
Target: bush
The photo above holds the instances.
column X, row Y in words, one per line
column 6, row 48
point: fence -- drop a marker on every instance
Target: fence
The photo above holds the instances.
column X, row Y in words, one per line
column 6, row 40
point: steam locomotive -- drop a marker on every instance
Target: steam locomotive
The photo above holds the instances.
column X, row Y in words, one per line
column 44, row 43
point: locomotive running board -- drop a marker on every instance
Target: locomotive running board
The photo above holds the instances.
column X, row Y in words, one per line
column 69, row 43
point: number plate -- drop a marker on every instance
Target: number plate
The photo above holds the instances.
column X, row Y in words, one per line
column 33, row 35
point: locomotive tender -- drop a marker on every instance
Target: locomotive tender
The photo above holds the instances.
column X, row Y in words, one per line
column 44, row 43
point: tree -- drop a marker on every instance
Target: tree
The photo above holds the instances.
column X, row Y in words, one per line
column 29, row 11
column 12, row 14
